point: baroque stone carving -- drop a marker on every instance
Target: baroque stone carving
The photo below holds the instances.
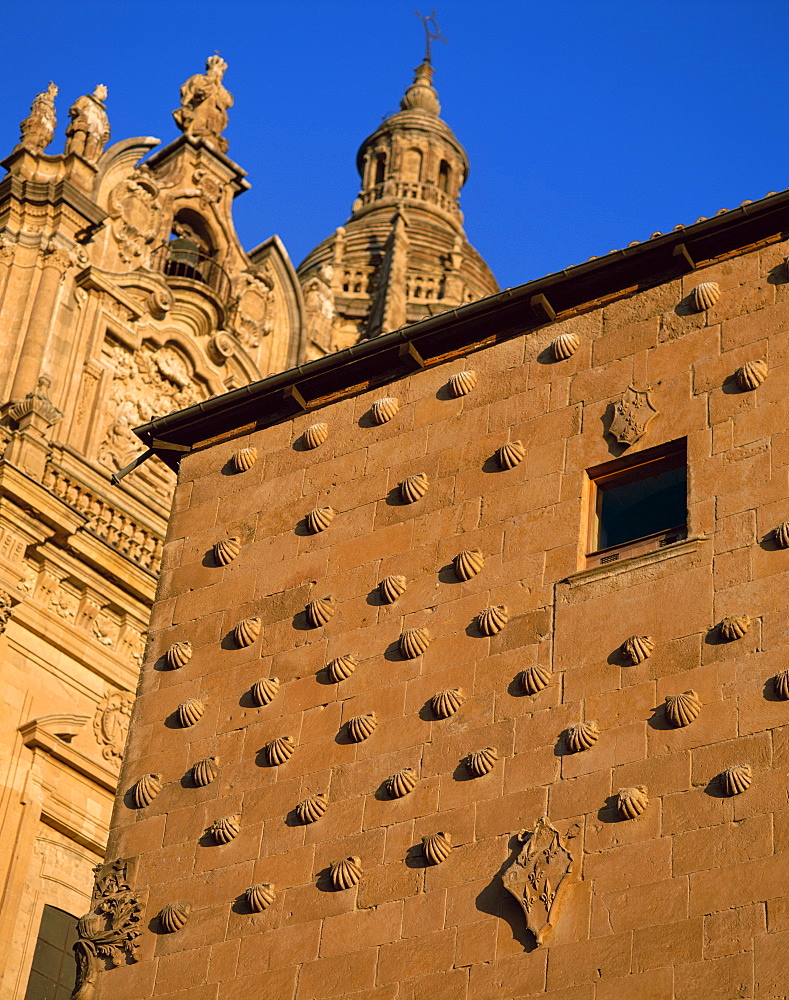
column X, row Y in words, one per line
column 582, row 736
column 447, row 702
column 633, row 413
column 362, row 726
column 781, row 685
column 781, row 535
column 392, row 587
column 736, row 779
column 259, row 897
column 111, row 723
column 265, row 690
column 401, row 783
column 538, row 877
column 734, row 627
column 226, row 550
column 682, row 709
column 315, row 435
column 492, row 620
column 436, row 847
column 173, row 916
column 38, row 129
column 345, row 873
column 320, row 611
column 178, row 655
column 280, row 750
column 564, row 346
column 111, row 928
column 312, row 808
column 482, row 762
column 632, row 802
column 638, row 648
column 134, row 208
column 38, row 402
column 319, row 519
column 205, row 771
column 341, row 667
column 510, row 454
column 413, row 642
column 705, row 295
column 145, row 789
column 751, row 375
column 89, row 129
column 461, row 383
column 414, row 488
column 384, row 409
column 468, row 563
column 204, row 104
column 190, row 712
column 226, row 828
column 247, row 630
column 244, row 459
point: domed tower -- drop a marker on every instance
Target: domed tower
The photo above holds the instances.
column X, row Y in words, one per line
column 402, row 255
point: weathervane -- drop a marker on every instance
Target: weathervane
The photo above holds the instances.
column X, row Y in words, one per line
column 432, row 31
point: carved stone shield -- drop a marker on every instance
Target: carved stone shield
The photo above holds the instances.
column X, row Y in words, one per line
column 538, row 876
column 632, row 415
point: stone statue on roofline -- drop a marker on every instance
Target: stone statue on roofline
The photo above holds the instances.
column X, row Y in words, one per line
column 89, row 128
column 204, row 104
column 38, row 128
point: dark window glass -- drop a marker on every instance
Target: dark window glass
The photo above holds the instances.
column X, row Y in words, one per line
column 53, row 970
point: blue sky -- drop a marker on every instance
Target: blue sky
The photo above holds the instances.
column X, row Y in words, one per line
column 588, row 125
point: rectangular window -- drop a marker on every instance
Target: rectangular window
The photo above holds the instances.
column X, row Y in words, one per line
column 53, row 971
column 638, row 504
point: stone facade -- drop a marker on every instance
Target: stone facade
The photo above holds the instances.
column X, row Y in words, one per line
column 398, row 656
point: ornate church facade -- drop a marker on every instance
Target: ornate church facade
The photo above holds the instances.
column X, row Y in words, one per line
column 125, row 294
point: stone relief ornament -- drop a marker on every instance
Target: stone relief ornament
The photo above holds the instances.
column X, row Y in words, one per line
column 633, row 413
column 632, row 802
column 638, row 648
column 220, row 347
column 362, row 726
column 345, row 873
column 751, row 375
column 436, row 847
column 682, row 709
column 736, row 779
column 461, row 383
column 781, row 685
column 89, row 128
column 259, row 897
column 111, row 723
column 482, row 762
column 110, row 930
column 392, row 587
column 384, row 409
column 538, row 877
column 226, row 550
column 280, row 750
column 134, row 209
column 173, row 916
column 734, row 627
column 38, row 129
column 564, row 346
column 312, row 808
column 534, row 679
column 264, row 691
column 315, row 436
column 204, row 104
column 468, row 563
column 413, row 642
column 341, row 667
column 145, row 789
column 178, row 655
column 244, row 459
column 247, row 630
column 510, row 454
column 781, row 535
column 226, row 829
column 582, row 736
column 320, row 611
column 205, row 771
column 401, row 783
column 492, row 620
column 190, row 712
column 705, row 295
column 414, row 488
column 160, row 302
column 446, row 703
column 319, row 519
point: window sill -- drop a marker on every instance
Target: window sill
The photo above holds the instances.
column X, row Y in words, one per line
column 607, row 570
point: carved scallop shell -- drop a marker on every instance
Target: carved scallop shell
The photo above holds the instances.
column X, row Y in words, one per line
column 204, row 771
column 247, row 631
column 631, row 802
column 384, row 409
column 447, row 702
column 682, row 709
column 178, row 655
column 638, row 648
column 145, row 789
column 414, row 488
column 781, row 535
column 226, row 550
column 436, row 847
column 413, row 642
column 492, row 620
column 280, row 750
column 751, row 375
column 705, row 295
column 345, row 873
column 534, row 679
column 461, row 383
column 482, row 761
column 582, row 736
column 173, row 916
column 736, row 779
column 564, row 346
column 190, row 712
column 401, row 782
column 781, row 685
column 264, row 691
column 319, row 519
column 244, row 459
column 320, row 611
column 362, row 726
column 392, row 587
column 259, row 897
column 341, row 667
column 226, row 829
column 312, row 808
column 468, row 563
column 315, row 435
column 510, row 454
column 734, row 627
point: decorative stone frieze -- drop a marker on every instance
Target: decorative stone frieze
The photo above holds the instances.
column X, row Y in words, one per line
column 468, row 563
column 392, row 587
column 510, row 454
column 447, row 702
column 280, row 750
column 320, row 611
column 341, row 667
column 384, row 409
column 533, row 679
column 205, row 771
column 582, row 736
column 346, row 873
column 413, row 642
column 226, row 550
column 178, row 655
column 461, row 383
column 751, row 375
column 259, row 897
column 682, row 709
column 492, row 620
column 265, row 690
column 482, row 762
column 145, row 789
column 311, row 809
column 190, row 712
column 632, row 802
column 436, row 847
column 564, row 346
column 247, row 630
column 705, row 295
column 360, row 727
column 736, row 779
column 734, row 627
column 315, row 435
column 226, row 828
column 401, row 782
column 244, row 459
column 414, row 488
column 173, row 916
column 638, row 648
column 319, row 519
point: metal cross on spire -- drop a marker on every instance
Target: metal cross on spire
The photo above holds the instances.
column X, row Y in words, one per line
column 432, row 31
